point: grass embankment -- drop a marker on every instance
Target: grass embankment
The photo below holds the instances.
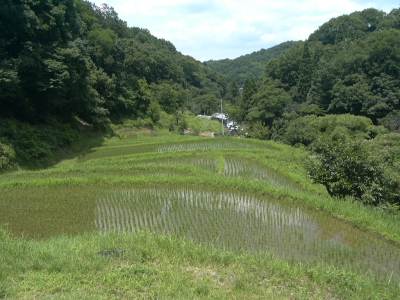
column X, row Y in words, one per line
column 149, row 266
column 88, row 266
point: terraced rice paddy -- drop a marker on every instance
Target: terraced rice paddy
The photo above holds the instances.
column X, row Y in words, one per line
column 229, row 193
column 203, row 146
column 252, row 169
column 242, row 222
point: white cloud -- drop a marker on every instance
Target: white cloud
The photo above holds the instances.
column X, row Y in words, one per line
column 215, row 29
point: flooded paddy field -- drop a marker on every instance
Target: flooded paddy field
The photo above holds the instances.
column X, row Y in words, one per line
column 48, row 203
column 241, row 222
column 227, row 220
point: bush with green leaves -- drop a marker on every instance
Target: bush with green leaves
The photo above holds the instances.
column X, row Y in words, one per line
column 7, row 157
column 267, row 104
column 386, row 147
column 257, row 130
column 392, row 121
column 306, row 130
column 346, row 167
column 37, row 145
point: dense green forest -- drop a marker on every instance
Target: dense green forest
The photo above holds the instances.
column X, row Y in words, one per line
column 71, row 58
column 248, row 66
column 349, row 65
column 71, row 63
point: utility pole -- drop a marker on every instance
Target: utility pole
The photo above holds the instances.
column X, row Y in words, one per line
column 222, row 120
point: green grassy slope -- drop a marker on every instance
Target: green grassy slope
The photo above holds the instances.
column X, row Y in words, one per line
column 144, row 265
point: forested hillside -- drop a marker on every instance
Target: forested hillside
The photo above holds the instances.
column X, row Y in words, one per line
column 349, row 65
column 68, row 61
column 248, row 66
column 71, row 58
column 329, row 93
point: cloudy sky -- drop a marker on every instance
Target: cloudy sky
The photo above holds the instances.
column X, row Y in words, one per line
column 215, row 29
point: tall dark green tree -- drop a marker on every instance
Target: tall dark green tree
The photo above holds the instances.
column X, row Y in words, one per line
column 250, row 87
column 268, row 104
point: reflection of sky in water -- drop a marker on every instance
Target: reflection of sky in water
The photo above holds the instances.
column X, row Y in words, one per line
column 241, row 222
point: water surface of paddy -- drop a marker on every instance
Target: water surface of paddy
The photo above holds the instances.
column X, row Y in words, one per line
column 226, row 219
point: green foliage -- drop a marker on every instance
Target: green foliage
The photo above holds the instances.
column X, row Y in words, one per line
column 232, row 110
column 181, row 123
column 391, row 121
column 166, row 121
column 349, row 27
column 38, row 145
column 349, row 96
column 238, row 70
column 205, row 104
column 286, row 67
column 103, row 40
column 250, row 88
column 386, row 149
column 352, row 157
column 7, row 157
column 67, row 59
column 268, row 103
column 306, row 130
column 346, row 168
column 301, row 131
column 242, row 76
column 257, row 130
column 170, row 96
column 154, row 111
column 350, row 65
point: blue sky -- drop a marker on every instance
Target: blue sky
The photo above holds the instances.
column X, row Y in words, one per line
column 211, row 29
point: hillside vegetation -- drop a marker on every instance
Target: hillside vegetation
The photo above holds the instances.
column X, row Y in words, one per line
column 69, row 66
column 65, row 59
column 252, row 65
column 350, row 65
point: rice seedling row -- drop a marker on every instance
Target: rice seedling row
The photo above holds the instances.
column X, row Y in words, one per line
column 241, row 222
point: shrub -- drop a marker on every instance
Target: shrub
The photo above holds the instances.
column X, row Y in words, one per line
column 166, row 121
column 346, row 168
column 306, row 130
column 181, row 122
column 257, row 130
column 36, row 145
column 7, row 157
column 392, row 121
column 386, row 147
column 301, row 131
column 154, row 111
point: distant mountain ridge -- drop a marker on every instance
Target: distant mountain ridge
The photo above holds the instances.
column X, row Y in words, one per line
column 249, row 65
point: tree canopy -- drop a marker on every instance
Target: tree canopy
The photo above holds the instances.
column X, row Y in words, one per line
column 252, row 65
column 69, row 58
